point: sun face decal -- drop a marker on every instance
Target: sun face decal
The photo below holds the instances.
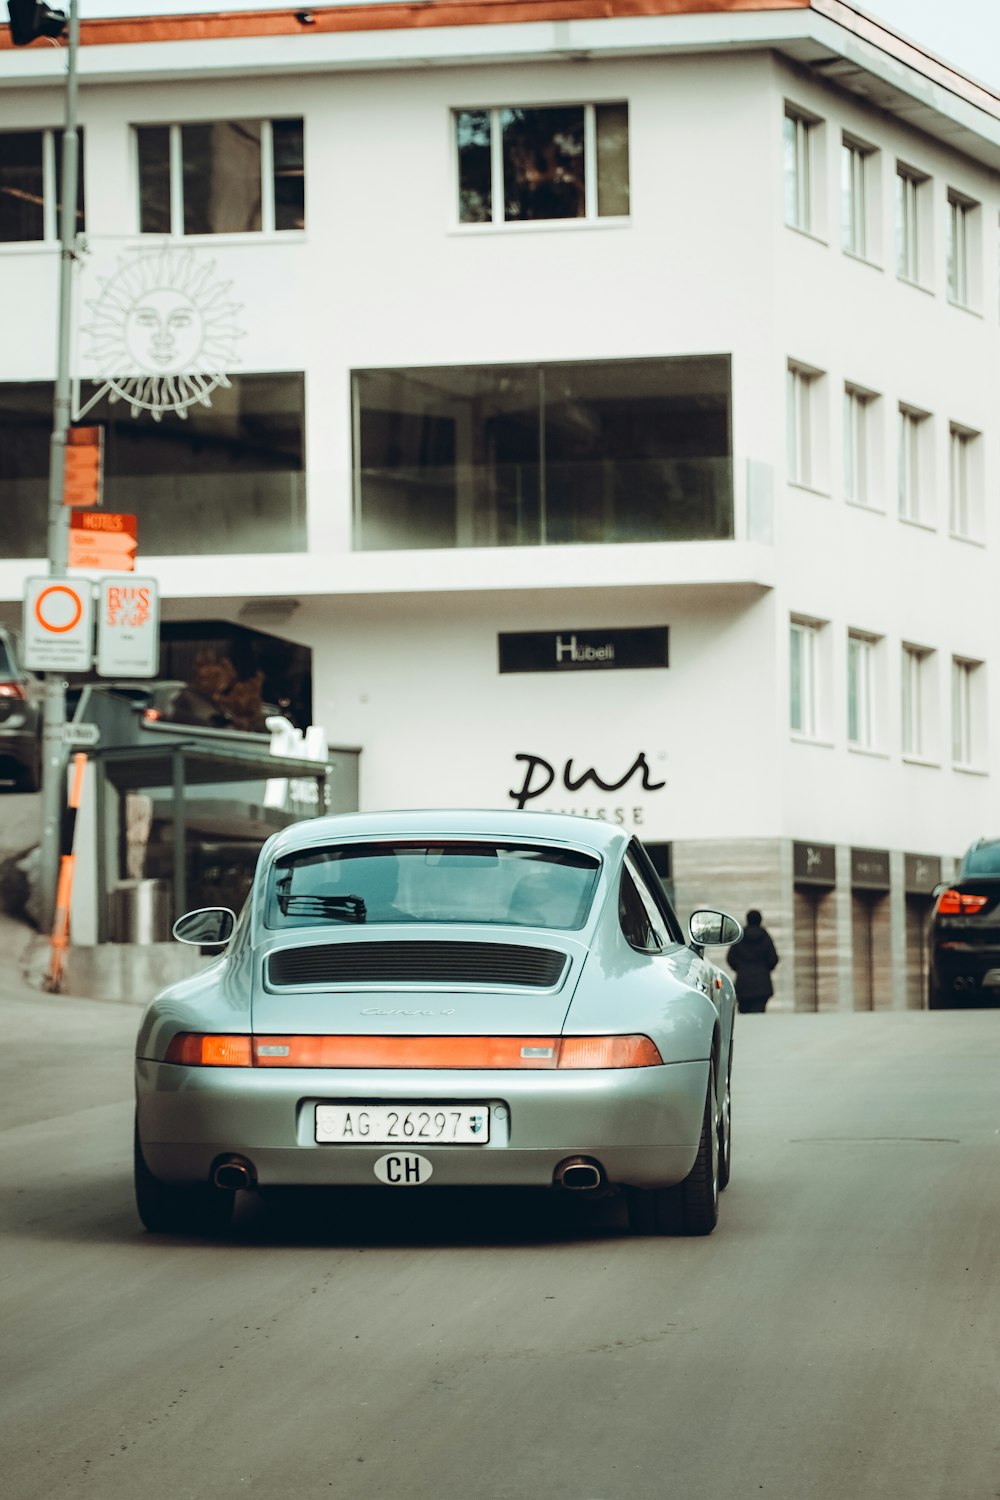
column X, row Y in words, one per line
column 164, row 332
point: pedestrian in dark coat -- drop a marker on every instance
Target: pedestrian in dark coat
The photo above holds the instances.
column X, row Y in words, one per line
column 752, row 959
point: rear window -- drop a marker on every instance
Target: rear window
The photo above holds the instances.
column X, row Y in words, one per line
column 7, row 669
column 982, row 859
column 502, row 884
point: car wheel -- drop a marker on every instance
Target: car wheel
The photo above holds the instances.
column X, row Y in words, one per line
column 726, row 1126
column 168, row 1208
column 692, row 1207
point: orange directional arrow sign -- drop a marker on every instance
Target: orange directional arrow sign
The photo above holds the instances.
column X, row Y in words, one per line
column 101, row 539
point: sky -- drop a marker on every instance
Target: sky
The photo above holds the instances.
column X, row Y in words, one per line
column 965, row 33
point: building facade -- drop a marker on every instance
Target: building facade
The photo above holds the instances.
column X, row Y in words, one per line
column 604, row 394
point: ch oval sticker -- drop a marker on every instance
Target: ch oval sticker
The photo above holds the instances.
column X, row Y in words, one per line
column 403, row 1169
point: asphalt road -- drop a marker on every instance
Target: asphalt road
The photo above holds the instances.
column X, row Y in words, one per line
column 838, row 1336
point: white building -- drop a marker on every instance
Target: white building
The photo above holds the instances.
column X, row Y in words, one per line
column 556, row 332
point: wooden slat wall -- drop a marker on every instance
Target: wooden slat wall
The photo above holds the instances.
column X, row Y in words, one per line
column 735, row 876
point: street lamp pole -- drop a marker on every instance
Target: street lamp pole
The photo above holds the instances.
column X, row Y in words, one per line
column 54, row 715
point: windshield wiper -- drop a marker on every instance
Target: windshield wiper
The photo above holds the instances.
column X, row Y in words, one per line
column 340, row 908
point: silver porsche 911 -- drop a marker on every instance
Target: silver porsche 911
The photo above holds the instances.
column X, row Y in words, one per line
column 425, row 999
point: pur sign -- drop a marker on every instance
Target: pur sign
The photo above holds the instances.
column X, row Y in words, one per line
column 540, row 777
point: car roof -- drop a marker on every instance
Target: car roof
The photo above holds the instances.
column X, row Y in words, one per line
column 591, row 834
column 983, row 851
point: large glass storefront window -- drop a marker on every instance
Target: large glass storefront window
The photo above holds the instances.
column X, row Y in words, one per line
column 535, row 455
column 228, row 479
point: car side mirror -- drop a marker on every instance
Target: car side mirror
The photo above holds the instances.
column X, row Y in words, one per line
column 713, row 929
column 209, row 927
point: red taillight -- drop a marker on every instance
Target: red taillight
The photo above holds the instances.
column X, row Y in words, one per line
column 201, row 1050
column 952, row 903
column 196, row 1049
column 151, row 715
column 11, row 690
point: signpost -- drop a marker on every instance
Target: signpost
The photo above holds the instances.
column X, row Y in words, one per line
column 102, row 540
column 58, row 626
column 83, row 480
column 128, row 628
column 83, row 736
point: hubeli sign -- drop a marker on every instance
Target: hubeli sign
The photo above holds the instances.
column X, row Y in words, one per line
column 583, row 650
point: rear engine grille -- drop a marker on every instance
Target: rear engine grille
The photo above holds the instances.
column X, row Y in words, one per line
column 502, row 964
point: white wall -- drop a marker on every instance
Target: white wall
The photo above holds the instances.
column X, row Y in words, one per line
column 405, row 653
column 416, row 682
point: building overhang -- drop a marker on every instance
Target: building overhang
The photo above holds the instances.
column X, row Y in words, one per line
column 832, row 39
column 302, row 578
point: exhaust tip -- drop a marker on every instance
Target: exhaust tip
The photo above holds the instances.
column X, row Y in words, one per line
column 234, row 1173
column 579, row 1174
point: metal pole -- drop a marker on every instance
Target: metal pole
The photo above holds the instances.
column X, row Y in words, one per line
column 54, row 716
column 180, row 832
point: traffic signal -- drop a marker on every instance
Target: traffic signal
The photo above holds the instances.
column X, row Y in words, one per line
column 30, row 19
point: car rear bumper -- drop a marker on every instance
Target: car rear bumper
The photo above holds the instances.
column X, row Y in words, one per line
column 641, row 1125
column 967, row 971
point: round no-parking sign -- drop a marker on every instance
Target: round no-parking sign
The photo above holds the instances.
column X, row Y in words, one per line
column 58, row 624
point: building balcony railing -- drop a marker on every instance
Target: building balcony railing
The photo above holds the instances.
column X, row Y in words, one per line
column 536, row 505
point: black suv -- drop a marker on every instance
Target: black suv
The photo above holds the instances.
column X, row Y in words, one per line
column 20, row 720
column 965, row 933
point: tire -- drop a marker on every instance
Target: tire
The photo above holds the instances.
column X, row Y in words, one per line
column 168, row 1208
column 726, row 1127
column 692, row 1207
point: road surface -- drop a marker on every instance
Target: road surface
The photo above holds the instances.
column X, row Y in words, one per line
column 837, row 1336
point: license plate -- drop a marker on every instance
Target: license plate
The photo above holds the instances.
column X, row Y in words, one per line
column 403, row 1124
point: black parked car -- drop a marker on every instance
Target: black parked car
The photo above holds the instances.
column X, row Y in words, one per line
column 20, row 720
column 965, row 933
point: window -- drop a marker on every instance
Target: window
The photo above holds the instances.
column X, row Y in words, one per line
column 859, row 444
column 535, row 455
column 221, row 177
column 803, row 677
column 857, row 183
column 30, row 185
column 964, row 489
column 914, row 464
column 912, row 194
column 861, row 698
column 961, row 249
column 917, row 702
column 640, row 917
column 800, row 188
column 804, row 417
column 228, row 479
column 967, row 712
column 555, row 162
column 479, row 881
